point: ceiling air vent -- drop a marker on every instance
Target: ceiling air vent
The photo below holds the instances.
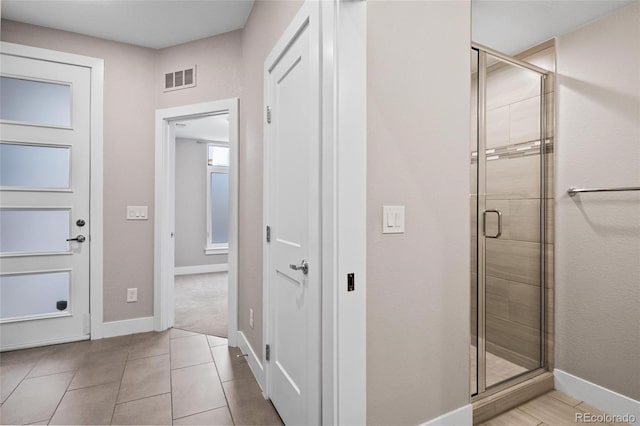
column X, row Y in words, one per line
column 181, row 79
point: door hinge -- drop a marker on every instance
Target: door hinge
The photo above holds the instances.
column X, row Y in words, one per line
column 268, row 234
column 267, row 352
column 269, row 114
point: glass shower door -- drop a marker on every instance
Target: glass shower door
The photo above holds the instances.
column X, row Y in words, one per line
column 507, row 167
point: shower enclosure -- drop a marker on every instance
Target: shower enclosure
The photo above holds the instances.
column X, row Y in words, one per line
column 509, row 179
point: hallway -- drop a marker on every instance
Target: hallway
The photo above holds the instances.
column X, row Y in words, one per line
column 173, row 377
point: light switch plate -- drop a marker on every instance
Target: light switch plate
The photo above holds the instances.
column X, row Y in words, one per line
column 393, row 219
column 137, row 212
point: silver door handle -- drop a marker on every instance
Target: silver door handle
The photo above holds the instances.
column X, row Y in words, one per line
column 79, row 238
column 484, row 223
column 304, row 267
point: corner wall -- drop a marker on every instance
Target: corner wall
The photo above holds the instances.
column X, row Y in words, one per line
column 418, row 107
column 598, row 234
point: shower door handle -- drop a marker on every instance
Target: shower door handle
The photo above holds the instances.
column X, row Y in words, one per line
column 484, row 223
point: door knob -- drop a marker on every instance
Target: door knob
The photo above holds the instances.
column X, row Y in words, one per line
column 79, row 238
column 304, row 267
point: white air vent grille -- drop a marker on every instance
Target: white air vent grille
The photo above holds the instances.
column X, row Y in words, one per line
column 181, row 79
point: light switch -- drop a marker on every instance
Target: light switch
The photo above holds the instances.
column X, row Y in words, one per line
column 137, row 212
column 392, row 219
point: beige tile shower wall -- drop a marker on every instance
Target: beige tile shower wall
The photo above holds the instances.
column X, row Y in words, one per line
column 513, row 298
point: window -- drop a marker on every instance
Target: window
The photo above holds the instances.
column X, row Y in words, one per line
column 217, row 198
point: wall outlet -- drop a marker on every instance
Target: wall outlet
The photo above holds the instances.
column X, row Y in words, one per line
column 250, row 317
column 132, row 295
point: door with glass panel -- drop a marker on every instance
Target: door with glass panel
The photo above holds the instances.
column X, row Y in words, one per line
column 44, row 202
column 507, row 157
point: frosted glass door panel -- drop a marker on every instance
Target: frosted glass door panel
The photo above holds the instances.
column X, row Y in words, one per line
column 218, row 156
column 30, row 166
column 34, row 231
column 219, row 208
column 34, row 295
column 35, row 102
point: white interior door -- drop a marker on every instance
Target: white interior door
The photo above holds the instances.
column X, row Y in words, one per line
column 293, row 214
column 44, row 202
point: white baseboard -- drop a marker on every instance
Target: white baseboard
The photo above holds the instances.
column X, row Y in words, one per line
column 254, row 362
column 130, row 326
column 201, row 269
column 602, row 398
column 462, row 416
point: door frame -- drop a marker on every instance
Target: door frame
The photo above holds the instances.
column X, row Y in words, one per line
column 96, row 240
column 343, row 156
column 164, row 226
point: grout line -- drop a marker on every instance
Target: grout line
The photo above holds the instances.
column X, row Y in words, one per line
column 205, row 411
column 67, row 388
column 126, row 359
column 221, row 383
column 194, row 365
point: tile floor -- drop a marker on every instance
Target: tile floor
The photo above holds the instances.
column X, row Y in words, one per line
column 551, row 409
column 174, row 377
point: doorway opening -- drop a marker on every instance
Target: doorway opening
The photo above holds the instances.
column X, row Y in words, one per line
column 202, row 224
column 511, row 155
column 196, row 254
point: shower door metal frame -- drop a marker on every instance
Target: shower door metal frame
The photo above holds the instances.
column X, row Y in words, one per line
column 481, row 387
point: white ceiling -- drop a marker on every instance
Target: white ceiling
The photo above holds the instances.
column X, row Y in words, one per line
column 150, row 23
column 212, row 128
column 513, row 26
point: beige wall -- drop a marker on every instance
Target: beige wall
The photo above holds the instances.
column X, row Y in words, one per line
column 218, row 62
column 418, row 282
column 598, row 235
column 128, row 159
column 133, row 91
column 265, row 24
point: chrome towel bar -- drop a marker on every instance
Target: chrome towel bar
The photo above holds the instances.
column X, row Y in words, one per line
column 573, row 190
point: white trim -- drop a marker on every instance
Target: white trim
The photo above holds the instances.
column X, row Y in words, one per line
column 126, row 327
column 602, row 398
column 255, row 364
column 47, row 342
column 96, row 222
column 462, row 416
column 164, row 256
column 217, row 249
column 200, row 269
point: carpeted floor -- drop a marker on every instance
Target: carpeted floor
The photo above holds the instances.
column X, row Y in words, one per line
column 201, row 303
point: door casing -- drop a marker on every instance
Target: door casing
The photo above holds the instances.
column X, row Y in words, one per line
column 95, row 240
column 164, row 226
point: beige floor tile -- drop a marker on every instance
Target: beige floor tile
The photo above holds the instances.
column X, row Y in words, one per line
column 513, row 417
column 187, row 351
column 219, row 417
column 176, row 333
column 551, row 411
column 35, row 399
column 145, row 377
column 24, row 355
column 564, row 398
column 217, row 341
column 120, row 343
column 196, row 389
column 229, row 366
column 149, row 344
column 99, row 368
column 87, row 406
column 155, row 410
column 11, row 375
column 61, row 358
column 247, row 405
